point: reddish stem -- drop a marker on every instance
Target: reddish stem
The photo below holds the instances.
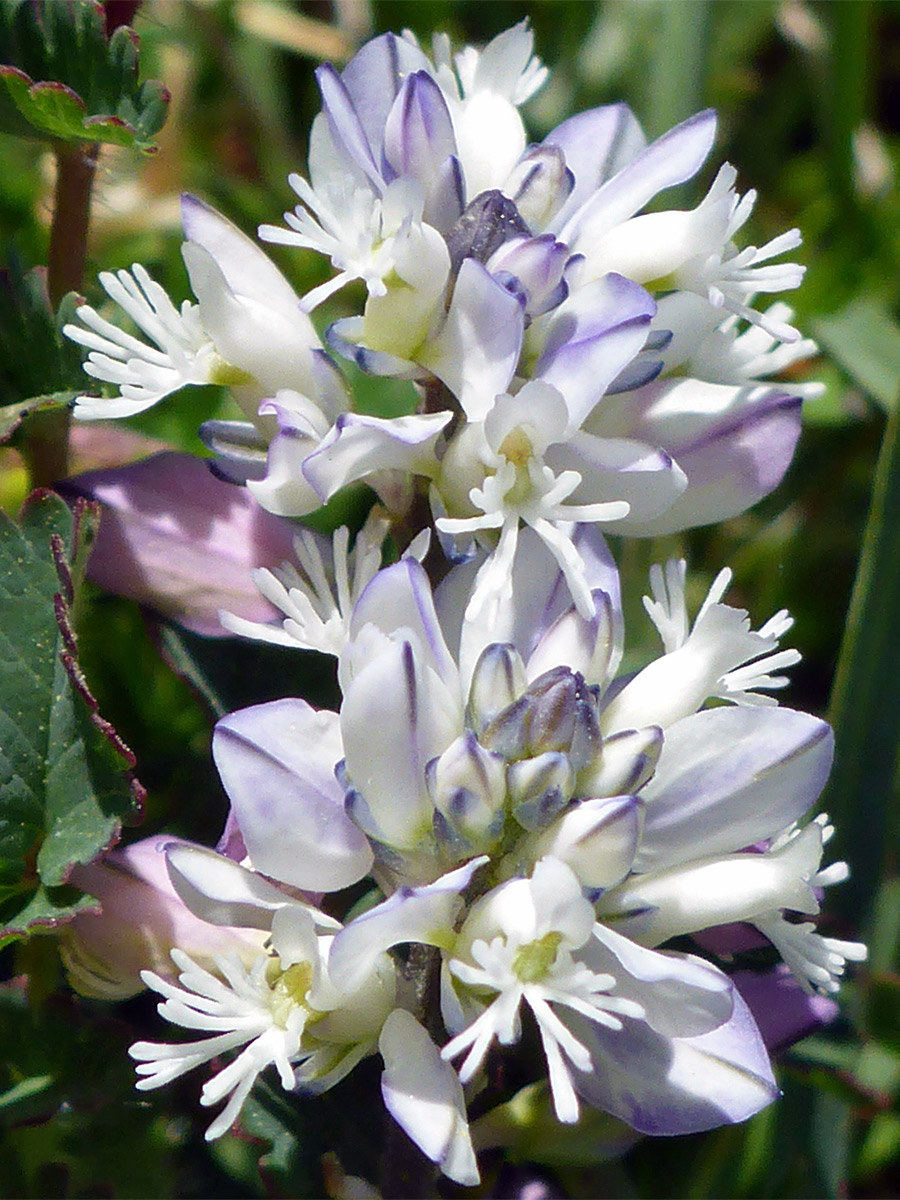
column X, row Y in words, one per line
column 46, row 441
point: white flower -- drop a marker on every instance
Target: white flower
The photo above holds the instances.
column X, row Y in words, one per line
column 521, row 487
column 816, row 962
column 246, row 331
column 719, row 657
column 521, row 942
column 318, row 599
column 284, row 1011
column 265, row 1010
column 182, row 352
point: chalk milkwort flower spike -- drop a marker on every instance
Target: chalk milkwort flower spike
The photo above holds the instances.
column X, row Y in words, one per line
column 545, row 826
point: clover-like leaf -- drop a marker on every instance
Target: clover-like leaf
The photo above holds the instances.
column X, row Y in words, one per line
column 62, row 79
column 65, row 783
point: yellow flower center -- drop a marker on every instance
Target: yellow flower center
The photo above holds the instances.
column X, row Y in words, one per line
column 533, row 960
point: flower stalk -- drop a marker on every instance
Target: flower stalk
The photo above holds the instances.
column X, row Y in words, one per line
column 46, row 442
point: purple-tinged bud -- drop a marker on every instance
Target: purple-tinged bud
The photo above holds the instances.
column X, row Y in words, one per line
column 538, row 788
column 498, row 679
column 487, row 222
column 467, row 785
column 532, row 268
column 625, row 762
column 563, row 716
column 598, row 839
column 540, row 184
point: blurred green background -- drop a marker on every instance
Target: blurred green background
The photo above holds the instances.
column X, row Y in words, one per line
column 808, row 96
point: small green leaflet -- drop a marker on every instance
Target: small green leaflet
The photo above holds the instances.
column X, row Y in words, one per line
column 63, row 80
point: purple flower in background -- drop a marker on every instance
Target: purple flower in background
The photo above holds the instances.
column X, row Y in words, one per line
column 178, row 539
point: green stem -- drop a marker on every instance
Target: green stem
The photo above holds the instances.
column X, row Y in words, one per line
column 865, row 703
column 46, row 441
column 405, row 1171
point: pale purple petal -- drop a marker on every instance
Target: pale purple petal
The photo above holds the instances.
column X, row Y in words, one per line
column 590, row 345
column 620, row 469
column 174, row 537
column 445, row 198
column 399, row 598
column 358, row 445
column 729, row 777
column 284, row 488
column 248, row 271
column 273, row 345
column 783, row 1011
column 665, row 1086
column 142, row 919
column 533, row 267
column 277, row 765
column 681, row 996
column 418, row 133
column 374, row 76
column 344, row 124
column 424, row 1096
column 221, row 891
column 672, row 159
column 478, row 348
column 732, row 465
column 597, row 144
column 396, row 701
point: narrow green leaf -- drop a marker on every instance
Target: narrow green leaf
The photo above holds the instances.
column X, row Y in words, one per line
column 64, row 783
column 865, row 703
column 865, row 339
column 676, row 76
column 39, row 368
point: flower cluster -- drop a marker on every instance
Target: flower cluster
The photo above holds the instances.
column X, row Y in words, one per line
column 537, row 828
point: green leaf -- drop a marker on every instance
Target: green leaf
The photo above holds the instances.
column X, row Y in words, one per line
column 865, row 339
column 48, row 374
column 67, row 1105
column 11, row 414
column 865, row 701
column 62, row 79
column 65, row 787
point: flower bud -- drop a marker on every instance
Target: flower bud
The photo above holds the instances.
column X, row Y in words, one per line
column 624, row 764
column 468, row 786
column 498, row 679
column 540, row 184
column 539, row 787
column 598, row 839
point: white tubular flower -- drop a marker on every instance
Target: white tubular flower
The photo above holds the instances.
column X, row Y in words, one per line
column 754, row 354
column 318, row 598
column 182, row 352
column 521, row 942
column 246, row 331
column 816, row 962
column 720, row 657
column 265, row 1010
column 694, row 251
column 284, row 1011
